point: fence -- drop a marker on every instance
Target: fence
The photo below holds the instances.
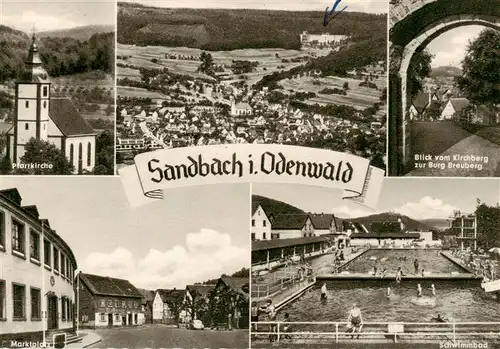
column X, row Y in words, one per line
column 382, row 330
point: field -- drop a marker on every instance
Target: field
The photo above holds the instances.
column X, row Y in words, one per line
column 268, row 62
column 96, row 78
column 358, row 97
column 127, row 91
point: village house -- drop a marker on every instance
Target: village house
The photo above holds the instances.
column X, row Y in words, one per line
column 239, row 109
column 167, row 305
column 230, row 302
column 196, row 300
column 453, row 108
column 147, row 305
column 421, row 103
column 108, row 302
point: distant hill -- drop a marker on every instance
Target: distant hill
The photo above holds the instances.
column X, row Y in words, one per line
column 446, row 71
column 410, row 224
column 230, row 29
column 60, row 55
column 79, row 33
column 441, row 224
column 272, row 206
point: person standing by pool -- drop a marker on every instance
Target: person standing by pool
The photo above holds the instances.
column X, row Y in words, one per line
column 355, row 320
column 399, row 274
column 423, row 272
column 271, row 317
column 433, row 290
column 324, row 292
column 416, row 265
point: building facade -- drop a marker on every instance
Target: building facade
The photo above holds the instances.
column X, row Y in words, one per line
column 36, row 273
column 464, row 227
column 56, row 120
column 261, row 224
column 108, row 302
column 167, row 306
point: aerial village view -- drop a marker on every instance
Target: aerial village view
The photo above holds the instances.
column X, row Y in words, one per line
column 174, row 274
column 193, row 77
column 422, row 268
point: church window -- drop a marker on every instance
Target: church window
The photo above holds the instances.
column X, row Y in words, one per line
column 26, row 126
column 89, row 152
column 45, row 91
column 71, row 150
column 27, row 104
column 80, row 158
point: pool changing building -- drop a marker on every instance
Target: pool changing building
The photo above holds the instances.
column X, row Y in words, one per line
column 36, row 274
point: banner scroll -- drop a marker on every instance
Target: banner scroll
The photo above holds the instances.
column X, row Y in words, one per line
column 153, row 172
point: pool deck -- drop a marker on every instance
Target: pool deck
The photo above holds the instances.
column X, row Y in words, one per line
column 457, row 261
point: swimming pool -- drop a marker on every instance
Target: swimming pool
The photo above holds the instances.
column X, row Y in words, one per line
column 453, row 300
column 430, row 260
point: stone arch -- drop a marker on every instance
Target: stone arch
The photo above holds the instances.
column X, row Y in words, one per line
column 412, row 31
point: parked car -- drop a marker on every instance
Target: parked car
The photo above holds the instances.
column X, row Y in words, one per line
column 196, row 325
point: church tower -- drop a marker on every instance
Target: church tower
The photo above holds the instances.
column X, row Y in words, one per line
column 32, row 104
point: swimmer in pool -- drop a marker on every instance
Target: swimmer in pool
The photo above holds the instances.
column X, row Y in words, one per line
column 438, row 318
column 433, row 290
column 355, row 320
column 419, row 290
column 388, row 292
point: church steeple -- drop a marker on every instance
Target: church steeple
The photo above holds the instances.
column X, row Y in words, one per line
column 34, row 71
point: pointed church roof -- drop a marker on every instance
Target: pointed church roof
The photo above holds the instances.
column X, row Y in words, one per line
column 34, row 72
column 67, row 118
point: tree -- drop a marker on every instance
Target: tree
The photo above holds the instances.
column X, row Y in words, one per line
column 105, row 147
column 207, row 63
column 46, row 157
column 5, row 165
column 480, row 77
column 488, row 225
column 418, row 70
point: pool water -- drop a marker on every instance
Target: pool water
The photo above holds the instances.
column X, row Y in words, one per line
column 453, row 301
column 430, row 260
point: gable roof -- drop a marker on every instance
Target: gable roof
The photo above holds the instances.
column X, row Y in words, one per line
column 202, row 290
column 421, row 101
column 107, row 286
column 459, row 103
column 237, row 284
column 289, row 221
column 170, row 296
column 322, row 221
column 67, row 118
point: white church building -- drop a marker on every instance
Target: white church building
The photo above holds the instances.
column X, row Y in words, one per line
column 56, row 120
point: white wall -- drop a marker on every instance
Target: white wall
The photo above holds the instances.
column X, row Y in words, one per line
column 26, row 272
column 447, row 112
column 262, row 225
column 76, row 141
column 157, row 307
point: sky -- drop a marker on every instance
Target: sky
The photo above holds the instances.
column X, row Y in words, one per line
column 371, row 6
column 449, row 48
column 193, row 235
column 418, row 198
column 56, row 14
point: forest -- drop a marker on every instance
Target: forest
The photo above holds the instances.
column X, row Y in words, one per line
column 225, row 29
column 61, row 56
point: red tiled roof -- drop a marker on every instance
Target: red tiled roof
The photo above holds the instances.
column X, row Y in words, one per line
column 289, row 221
column 67, row 118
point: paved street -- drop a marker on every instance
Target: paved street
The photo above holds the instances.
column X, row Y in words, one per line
column 161, row 336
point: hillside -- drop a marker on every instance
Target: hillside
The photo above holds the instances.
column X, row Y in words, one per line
column 79, row 33
column 441, row 224
column 229, row 29
column 61, row 56
column 410, row 224
column 272, row 206
column 446, row 71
